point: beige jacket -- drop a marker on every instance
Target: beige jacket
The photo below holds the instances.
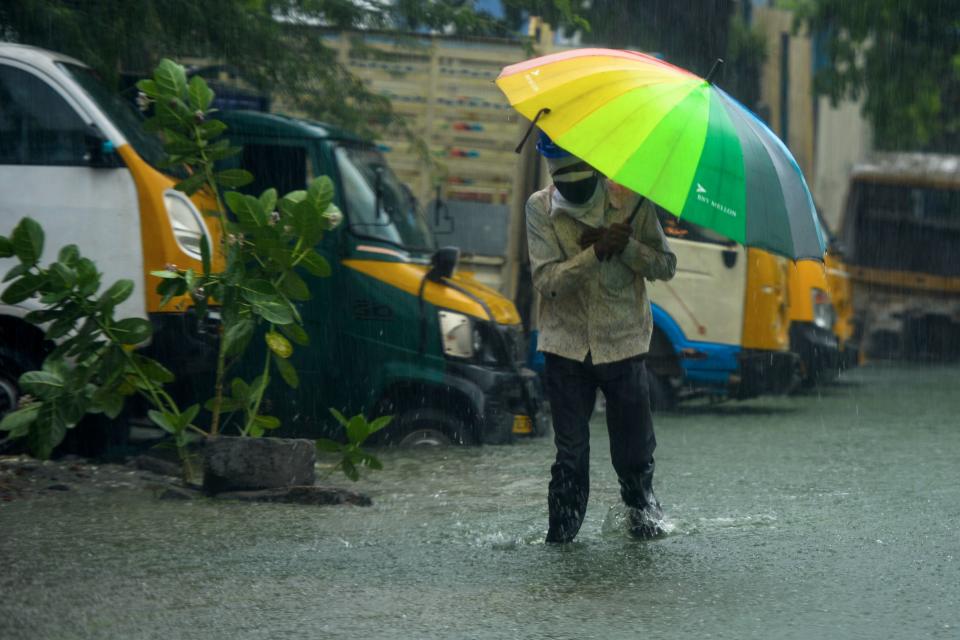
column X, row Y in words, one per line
column 588, row 306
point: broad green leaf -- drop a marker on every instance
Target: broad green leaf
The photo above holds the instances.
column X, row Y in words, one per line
column 294, row 286
column 46, row 432
column 18, row 422
column 16, row 271
column 232, row 178
column 164, row 420
column 189, row 415
column 22, row 288
column 328, row 446
column 308, row 223
column 237, row 336
column 60, row 327
column 316, row 264
column 6, row 247
column 200, row 94
column 296, row 333
column 88, row 278
column 153, row 370
column 132, row 330
column 320, row 193
column 27, row 241
column 170, row 79
column 280, row 346
column 287, row 372
column 149, row 87
column 267, row 422
column 211, row 129
column 167, row 275
column 221, row 150
column 72, row 408
column 112, row 364
column 357, row 429
column 61, row 276
column 259, row 290
column 43, row 384
column 40, row 316
column 108, row 402
column 275, row 312
column 241, row 390
column 169, row 289
column 369, row 460
column 69, row 255
column 379, row 423
column 349, row 469
column 268, row 200
column 289, row 202
column 117, row 293
column 246, row 208
column 342, row 419
column 191, row 184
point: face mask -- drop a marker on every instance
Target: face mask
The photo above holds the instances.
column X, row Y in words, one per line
column 578, row 191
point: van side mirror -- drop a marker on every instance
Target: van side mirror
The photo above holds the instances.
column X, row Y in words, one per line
column 101, row 154
column 443, row 263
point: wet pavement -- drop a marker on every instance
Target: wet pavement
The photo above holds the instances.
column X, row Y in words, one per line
column 835, row 514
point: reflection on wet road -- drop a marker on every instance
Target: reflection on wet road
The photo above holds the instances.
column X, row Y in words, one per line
column 835, row 514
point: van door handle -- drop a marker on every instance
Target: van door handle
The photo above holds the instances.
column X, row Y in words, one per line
column 729, row 258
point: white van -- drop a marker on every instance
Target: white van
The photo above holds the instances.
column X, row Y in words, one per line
column 73, row 156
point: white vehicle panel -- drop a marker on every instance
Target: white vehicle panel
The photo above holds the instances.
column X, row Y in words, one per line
column 705, row 297
column 95, row 209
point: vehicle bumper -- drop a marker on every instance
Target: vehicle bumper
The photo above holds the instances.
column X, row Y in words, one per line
column 183, row 343
column 764, row 372
column 818, row 349
column 849, row 355
column 511, row 402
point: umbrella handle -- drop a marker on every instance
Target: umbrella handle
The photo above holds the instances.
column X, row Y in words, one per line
column 633, row 214
column 542, row 112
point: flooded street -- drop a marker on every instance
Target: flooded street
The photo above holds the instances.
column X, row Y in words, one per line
column 834, row 514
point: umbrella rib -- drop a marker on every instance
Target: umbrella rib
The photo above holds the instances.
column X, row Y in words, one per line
column 601, row 141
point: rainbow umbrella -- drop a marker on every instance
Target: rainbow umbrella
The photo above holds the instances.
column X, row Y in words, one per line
column 675, row 138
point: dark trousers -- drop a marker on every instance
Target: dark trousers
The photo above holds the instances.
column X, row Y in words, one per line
column 572, row 390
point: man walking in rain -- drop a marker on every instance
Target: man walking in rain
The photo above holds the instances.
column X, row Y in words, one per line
column 589, row 259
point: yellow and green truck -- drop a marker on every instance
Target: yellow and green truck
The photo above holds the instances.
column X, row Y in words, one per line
column 395, row 329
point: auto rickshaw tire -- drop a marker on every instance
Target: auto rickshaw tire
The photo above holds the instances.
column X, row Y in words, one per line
column 427, row 426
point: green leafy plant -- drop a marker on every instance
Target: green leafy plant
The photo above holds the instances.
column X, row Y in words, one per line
column 352, row 457
column 94, row 367
column 268, row 244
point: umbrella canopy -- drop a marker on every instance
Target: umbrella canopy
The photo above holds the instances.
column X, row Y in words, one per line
column 675, row 138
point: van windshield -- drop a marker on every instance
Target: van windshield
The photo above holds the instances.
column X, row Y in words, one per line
column 400, row 220
column 120, row 112
column 906, row 227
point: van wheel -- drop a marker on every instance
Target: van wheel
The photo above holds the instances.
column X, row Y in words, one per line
column 12, row 365
column 662, row 395
column 429, row 427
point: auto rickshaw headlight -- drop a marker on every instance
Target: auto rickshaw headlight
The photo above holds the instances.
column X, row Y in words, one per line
column 823, row 312
column 187, row 223
column 456, row 334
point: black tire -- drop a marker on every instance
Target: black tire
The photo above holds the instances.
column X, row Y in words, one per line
column 662, row 395
column 426, row 426
column 13, row 363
